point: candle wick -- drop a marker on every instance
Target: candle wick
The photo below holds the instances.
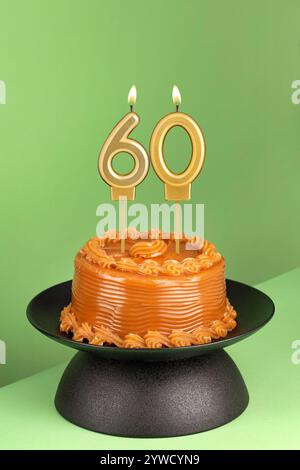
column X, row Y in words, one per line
column 177, row 108
column 131, row 108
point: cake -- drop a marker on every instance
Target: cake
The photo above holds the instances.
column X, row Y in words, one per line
column 148, row 296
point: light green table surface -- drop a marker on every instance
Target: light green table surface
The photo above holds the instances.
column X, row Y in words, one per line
column 28, row 419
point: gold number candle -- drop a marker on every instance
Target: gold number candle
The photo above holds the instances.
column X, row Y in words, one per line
column 119, row 141
column 177, row 186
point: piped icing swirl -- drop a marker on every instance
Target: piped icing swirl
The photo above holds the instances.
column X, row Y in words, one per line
column 148, row 249
column 101, row 336
column 148, row 296
column 102, row 252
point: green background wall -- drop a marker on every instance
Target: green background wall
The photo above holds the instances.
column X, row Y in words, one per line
column 68, row 66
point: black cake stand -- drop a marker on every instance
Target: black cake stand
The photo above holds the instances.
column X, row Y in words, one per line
column 152, row 392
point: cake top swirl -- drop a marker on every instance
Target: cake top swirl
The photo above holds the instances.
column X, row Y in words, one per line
column 151, row 253
column 148, row 249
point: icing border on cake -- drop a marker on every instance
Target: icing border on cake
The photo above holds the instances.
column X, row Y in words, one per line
column 150, row 245
column 100, row 336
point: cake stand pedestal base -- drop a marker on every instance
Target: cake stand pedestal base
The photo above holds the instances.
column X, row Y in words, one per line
column 151, row 399
column 152, row 392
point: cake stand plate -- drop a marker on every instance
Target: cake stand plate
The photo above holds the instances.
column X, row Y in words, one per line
column 152, row 392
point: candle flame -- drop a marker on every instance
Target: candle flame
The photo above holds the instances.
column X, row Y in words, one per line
column 132, row 95
column 176, row 96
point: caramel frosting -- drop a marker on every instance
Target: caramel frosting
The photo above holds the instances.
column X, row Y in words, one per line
column 148, row 249
column 149, row 296
column 140, row 256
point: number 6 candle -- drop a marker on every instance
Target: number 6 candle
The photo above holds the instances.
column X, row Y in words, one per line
column 123, row 186
column 118, row 141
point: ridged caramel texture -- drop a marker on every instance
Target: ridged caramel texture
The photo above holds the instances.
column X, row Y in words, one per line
column 180, row 296
column 128, row 302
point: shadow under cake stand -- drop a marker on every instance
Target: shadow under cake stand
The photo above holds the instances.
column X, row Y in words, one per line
column 152, row 392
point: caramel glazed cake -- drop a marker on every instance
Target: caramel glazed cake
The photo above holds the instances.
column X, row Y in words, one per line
column 148, row 296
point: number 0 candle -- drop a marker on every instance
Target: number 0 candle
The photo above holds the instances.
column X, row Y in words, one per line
column 177, row 186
